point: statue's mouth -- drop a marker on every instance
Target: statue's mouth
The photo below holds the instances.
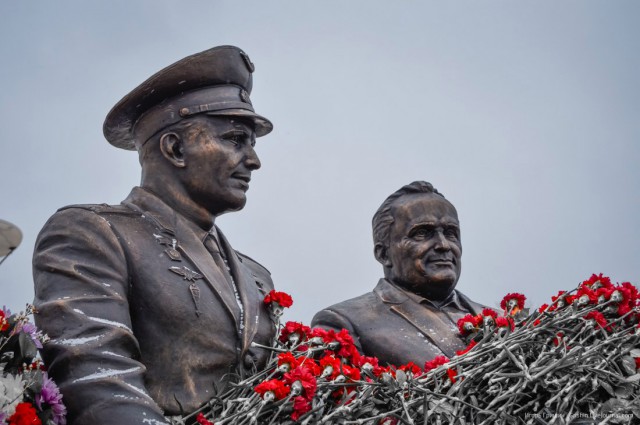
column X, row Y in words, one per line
column 440, row 261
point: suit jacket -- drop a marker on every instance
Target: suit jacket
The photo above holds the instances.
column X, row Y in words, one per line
column 142, row 320
column 395, row 328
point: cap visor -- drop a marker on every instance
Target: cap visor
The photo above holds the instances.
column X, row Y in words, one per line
column 262, row 126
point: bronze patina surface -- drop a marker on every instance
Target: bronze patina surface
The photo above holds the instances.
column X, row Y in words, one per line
column 411, row 314
column 148, row 306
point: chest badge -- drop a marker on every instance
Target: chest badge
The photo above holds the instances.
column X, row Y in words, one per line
column 173, row 254
column 186, row 273
column 170, row 243
column 191, row 276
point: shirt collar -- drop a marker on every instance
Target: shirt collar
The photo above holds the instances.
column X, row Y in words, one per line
column 451, row 301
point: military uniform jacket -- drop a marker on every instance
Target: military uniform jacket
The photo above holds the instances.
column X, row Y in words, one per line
column 390, row 325
column 141, row 319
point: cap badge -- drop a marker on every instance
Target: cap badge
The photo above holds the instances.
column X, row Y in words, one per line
column 244, row 96
column 250, row 66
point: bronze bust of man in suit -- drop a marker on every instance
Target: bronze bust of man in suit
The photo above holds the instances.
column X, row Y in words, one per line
column 411, row 314
column 147, row 305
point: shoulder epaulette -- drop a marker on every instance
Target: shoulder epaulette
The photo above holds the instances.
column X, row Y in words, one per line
column 100, row 208
column 244, row 257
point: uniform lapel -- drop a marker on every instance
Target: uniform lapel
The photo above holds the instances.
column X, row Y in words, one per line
column 420, row 316
column 193, row 248
column 188, row 243
column 249, row 294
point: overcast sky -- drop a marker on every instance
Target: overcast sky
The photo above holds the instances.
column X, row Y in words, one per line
column 524, row 114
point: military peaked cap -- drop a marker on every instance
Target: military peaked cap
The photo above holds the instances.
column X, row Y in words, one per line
column 217, row 81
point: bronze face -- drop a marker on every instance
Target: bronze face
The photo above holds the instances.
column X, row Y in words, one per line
column 217, row 158
column 424, row 252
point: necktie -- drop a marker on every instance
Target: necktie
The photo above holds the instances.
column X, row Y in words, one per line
column 212, row 245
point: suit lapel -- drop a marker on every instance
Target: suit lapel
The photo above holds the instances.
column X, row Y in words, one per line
column 473, row 307
column 429, row 324
column 421, row 317
column 249, row 294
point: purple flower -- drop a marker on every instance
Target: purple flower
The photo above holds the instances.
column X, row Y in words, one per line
column 50, row 394
column 30, row 329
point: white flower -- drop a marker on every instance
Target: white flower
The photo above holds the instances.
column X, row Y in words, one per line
column 11, row 389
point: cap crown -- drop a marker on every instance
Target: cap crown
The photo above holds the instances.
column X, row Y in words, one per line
column 222, row 65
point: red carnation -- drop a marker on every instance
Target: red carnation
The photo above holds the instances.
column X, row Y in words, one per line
column 558, row 339
column 598, row 318
column 586, row 295
column 25, row 414
column 351, row 373
column 604, row 294
column 512, row 303
column 561, row 300
column 347, row 346
column 632, row 291
column 623, row 309
column 4, row 324
column 597, row 281
column 319, row 333
column 202, row 420
column 307, row 382
column 433, row 364
column 275, row 386
column 452, row 374
column 372, row 364
column 472, row 344
column 626, row 295
column 294, row 332
column 342, row 343
column 311, row 366
column 469, row 323
column 330, row 366
column 505, row 322
column 489, row 312
column 287, row 361
column 300, row 406
column 411, row 367
column 282, row 298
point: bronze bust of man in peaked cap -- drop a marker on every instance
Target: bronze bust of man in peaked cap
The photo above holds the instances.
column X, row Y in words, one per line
column 411, row 314
column 147, row 305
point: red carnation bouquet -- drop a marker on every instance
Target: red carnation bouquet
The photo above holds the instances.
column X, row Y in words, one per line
column 573, row 359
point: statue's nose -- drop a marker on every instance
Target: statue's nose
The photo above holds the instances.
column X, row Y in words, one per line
column 442, row 242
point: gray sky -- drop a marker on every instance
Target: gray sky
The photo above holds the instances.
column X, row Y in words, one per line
column 524, row 114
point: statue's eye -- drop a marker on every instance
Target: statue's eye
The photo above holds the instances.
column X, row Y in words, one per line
column 234, row 139
column 240, row 138
column 451, row 233
column 422, row 233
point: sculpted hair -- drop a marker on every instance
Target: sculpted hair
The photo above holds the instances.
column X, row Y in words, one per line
column 383, row 219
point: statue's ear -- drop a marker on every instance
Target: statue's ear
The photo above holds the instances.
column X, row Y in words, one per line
column 172, row 149
column 381, row 254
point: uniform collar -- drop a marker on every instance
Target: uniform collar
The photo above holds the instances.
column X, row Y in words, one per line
column 145, row 201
